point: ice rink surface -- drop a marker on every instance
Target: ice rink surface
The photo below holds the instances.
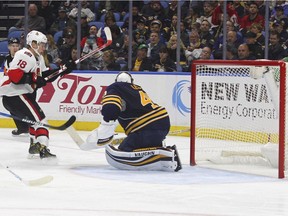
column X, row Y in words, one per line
column 84, row 184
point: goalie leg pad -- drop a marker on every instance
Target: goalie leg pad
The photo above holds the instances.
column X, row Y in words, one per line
column 158, row 158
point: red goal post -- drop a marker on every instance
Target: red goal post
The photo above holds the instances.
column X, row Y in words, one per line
column 227, row 104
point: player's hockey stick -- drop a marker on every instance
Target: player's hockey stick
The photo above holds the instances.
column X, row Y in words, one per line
column 34, row 182
column 109, row 41
column 67, row 124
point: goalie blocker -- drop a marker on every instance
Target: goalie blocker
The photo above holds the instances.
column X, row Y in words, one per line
column 145, row 123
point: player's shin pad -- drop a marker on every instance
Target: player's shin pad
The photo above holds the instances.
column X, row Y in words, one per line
column 162, row 159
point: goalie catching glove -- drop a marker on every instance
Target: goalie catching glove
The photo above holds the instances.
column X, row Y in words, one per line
column 101, row 136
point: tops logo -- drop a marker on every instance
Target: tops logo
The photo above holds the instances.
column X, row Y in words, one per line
column 181, row 96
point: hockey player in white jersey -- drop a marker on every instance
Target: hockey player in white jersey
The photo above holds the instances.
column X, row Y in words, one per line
column 26, row 74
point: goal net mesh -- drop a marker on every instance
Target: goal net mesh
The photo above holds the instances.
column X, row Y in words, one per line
column 235, row 118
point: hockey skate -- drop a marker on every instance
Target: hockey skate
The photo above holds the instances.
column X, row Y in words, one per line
column 34, row 150
column 18, row 132
column 45, row 152
column 176, row 158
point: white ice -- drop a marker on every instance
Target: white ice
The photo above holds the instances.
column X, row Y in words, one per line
column 84, row 184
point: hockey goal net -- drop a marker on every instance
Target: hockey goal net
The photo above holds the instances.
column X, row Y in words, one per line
column 238, row 114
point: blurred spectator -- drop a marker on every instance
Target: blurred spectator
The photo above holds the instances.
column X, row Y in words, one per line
column 238, row 8
column 109, row 63
column 231, row 52
column 140, row 34
column 244, row 53
column 206, row 39
column 122, row 55
column 206, row 53
column 35, row 22
column 276, row 50
column 85, row 10
column 62, row 21
column 217, row 15
column 154, row 11
column 171, row 10
column 208, row 9
column 279, row 26
column 252, row 17
column 141, row 62
column 66, row 43
column 84, row 26
column 193, row 51
column 156, row 26
column 192, row 15
column 136, row 16
column 254, row 46
column 88, row 44
column 231, row 40
column 47, row 12
column 257, row 29
column 279, row 15
column 154, row 46
column 120, row 7
column 52, row 51
column 165, row 63
column 261, row 7
column 172, row 48
column 109, row 22
column 117, row 38
column 283, row 4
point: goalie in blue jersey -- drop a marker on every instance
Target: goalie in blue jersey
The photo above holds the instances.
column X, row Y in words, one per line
column 145, row 123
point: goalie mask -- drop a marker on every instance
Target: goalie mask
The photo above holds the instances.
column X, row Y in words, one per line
column 124, row 76
column 38, row 37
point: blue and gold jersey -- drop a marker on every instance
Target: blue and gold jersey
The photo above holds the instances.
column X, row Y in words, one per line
column 133, row 108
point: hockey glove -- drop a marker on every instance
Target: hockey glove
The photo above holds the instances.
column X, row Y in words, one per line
column 40, row 82
column 70, row 66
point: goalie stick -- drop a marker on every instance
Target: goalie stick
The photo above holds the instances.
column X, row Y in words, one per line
column 108, row 43
column 34, row 182
column 64, row 126
column 79, row 141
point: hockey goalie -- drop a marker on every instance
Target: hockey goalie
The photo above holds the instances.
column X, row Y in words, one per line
column 145, row 123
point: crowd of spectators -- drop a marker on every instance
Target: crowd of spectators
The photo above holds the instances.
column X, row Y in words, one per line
column 154, row 32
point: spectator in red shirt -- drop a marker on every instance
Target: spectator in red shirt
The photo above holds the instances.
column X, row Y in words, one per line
column 252, row 17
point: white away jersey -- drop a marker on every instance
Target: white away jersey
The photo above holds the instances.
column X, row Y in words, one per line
column 26, row 61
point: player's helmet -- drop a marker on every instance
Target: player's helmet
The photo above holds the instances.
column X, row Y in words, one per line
column 13, row 40
column 124, row 76
column 36, row 36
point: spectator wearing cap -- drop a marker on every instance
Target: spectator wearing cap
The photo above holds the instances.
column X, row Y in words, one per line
column 35, row 22
column 140, row 34
column 156, row 26
column 252, row 17
column 62, row 21
column 276, row 50
column 254, row 47
column 66, row 43
column 141, row 62
column 154, row 11
column 279, row 26
column 165, row 63
column 85, row 10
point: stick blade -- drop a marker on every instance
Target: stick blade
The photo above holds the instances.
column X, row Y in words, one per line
column 67, row 124
column 38, row 182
